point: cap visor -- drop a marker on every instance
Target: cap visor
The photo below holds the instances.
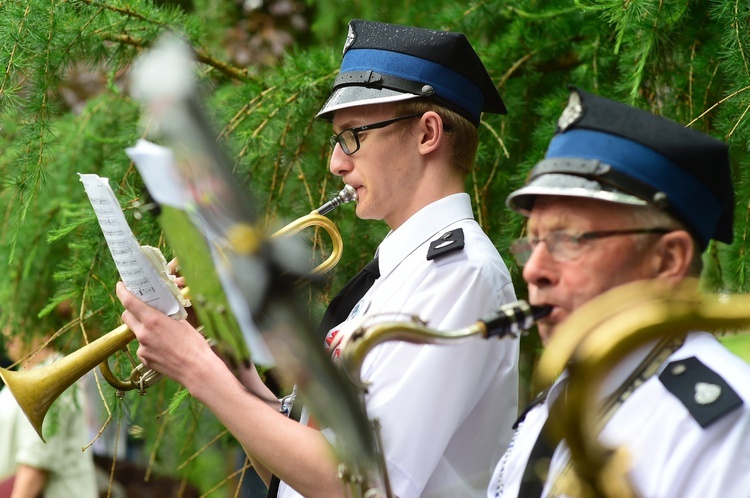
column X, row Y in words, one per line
column 351, row 96
column 522, row 200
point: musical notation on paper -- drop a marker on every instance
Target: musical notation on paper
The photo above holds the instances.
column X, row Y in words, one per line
column 137, row 271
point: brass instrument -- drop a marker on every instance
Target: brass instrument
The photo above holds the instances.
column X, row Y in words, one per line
column 316, row 218
column 589, row 345
column 508, row 320
column 35, row 390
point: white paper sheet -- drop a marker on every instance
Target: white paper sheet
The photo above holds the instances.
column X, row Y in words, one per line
column 138, row 274
column 156, row 165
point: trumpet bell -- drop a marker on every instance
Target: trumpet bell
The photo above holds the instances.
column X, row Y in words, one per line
column 33, row 399
column 35, row 390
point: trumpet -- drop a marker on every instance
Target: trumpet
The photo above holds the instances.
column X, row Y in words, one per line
column 316, row 218
column 35, row 390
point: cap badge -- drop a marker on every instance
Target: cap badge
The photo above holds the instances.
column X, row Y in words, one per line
column 706, row 393
column 350, row 38
column 572, row 113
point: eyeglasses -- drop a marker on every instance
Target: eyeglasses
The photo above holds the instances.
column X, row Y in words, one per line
column 349, row 139
column 566, row 245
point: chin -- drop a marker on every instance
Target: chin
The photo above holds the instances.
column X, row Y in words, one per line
column 544, row 336
column 545, row 330
column 365, row 214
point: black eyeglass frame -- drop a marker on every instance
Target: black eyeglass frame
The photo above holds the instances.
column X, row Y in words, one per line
column 523, row 247
column 339, row 137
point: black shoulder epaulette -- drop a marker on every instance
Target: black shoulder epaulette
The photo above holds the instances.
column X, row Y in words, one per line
column 448, row 242
column 704, row 393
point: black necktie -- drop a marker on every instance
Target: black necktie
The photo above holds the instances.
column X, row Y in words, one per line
column 342, row 304
column 537, row 466
column 338, row 310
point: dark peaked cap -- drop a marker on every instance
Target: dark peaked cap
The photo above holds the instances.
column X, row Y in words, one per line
column 610, row 151
column 388, row 62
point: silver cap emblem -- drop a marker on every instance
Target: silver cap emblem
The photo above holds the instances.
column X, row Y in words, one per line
column 706, row 393
column 572, row 113
column 350, row 37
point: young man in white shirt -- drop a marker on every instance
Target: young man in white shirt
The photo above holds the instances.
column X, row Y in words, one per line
column 405, row 110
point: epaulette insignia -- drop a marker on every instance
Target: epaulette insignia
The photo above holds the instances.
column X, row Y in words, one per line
column 448, row 242
column 704, row 393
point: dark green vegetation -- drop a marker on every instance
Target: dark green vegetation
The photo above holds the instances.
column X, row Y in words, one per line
column 65, row 108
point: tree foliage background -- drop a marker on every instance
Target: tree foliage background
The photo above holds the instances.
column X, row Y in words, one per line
column 265, row 68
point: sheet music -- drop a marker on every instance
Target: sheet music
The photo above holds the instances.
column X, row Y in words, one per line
column 137, row 272
column 156, row 165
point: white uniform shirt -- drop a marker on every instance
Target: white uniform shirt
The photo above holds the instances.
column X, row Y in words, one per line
column 445, row 411
column 672, row 456
column 71, row 471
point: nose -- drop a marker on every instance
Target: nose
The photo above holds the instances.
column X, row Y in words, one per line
column 541, row 269
column 339, row 164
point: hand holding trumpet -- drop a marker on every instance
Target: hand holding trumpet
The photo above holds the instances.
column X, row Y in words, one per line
column 176, row 349
column 165, row 344
column 174, row 269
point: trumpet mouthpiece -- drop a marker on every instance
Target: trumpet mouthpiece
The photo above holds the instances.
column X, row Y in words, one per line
column 347, row 194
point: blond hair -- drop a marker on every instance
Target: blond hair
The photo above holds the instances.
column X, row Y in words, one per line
column 462, row 135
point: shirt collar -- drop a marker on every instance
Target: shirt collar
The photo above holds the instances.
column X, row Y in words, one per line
column 424, row 225
column 614, row 379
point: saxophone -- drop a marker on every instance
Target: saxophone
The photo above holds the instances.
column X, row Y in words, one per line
column 508, row 320
column 589, row 345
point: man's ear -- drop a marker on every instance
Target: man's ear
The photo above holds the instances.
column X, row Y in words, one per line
column 675, row 252
column 431, row 132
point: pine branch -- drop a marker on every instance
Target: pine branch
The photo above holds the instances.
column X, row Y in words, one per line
column 8, row 69
column 200, row 54
column 685, row 60
column 740, row 46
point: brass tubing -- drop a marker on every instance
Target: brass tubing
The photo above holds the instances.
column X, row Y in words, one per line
column 35, row 390
column 593, row 341
column 318, row 220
